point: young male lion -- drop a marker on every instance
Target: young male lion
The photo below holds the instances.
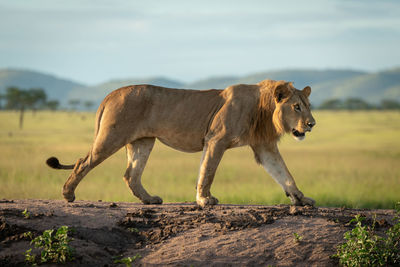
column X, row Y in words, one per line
column 211, row 121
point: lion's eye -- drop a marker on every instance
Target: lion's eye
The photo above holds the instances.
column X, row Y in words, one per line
column 297, row 107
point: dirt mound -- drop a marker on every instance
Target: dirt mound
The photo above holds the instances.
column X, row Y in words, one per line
column 182, row 234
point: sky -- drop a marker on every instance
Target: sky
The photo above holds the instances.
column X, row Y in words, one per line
column 92, row 41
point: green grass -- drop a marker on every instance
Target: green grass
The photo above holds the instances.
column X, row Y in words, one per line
column 350, row 159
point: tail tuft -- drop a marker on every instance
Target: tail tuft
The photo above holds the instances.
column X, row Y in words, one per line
column 53, row 163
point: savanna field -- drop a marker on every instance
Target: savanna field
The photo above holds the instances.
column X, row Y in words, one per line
column 351, row 159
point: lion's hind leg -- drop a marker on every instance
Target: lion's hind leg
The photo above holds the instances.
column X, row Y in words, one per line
column 82, row 167
column 138, row 153
column 103, row 147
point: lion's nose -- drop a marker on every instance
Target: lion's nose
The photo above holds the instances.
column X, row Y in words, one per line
column 311, row 124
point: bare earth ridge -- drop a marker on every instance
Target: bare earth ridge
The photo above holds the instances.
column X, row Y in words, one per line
column 181, row 234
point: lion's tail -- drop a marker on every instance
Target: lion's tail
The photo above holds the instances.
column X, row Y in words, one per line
column 55, row 164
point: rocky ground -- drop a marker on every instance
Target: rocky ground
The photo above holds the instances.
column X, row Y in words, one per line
column 182, row 234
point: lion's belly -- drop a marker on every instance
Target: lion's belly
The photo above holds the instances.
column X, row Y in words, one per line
column 183, row 144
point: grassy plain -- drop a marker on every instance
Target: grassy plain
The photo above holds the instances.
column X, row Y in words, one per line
column 351, row 159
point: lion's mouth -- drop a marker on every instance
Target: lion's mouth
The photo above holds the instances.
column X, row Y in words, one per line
column 298, row 135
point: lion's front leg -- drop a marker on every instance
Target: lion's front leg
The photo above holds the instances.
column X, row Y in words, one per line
column 273, row 163
column 212, row 154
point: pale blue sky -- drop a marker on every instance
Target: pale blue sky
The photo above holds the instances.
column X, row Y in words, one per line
column 92, row 41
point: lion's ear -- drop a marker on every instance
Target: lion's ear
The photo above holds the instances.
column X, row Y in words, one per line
column 281, row 92
column 307, row 91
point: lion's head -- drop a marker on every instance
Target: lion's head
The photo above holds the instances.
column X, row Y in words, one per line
column 282, row 109
column 292, row 112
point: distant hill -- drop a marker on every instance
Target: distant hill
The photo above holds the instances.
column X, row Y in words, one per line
column 301, row 78
column 372, row 87
column 213, row 83
column 56, row 88
column 96, row 93
column 325, row 84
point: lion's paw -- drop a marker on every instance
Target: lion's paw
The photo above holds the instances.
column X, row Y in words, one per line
column 301, row 200
column 206, row 201
column 153, row 200
column 307, row 201
column 70, row 197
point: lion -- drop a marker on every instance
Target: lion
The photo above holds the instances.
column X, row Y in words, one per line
column 211, row 121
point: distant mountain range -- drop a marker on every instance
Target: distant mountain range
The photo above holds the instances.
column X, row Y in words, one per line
column 325, row 84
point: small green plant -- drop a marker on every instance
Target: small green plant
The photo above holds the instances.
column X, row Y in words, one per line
column 297, row 238
column 28, row 235
column 54, row 246
column 128, row 260
column 31, row 258
column 365, row 248
column 26, row 214
column 133, row 230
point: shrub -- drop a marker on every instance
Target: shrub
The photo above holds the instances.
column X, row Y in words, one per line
column 365, row 248
column 54, row 246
